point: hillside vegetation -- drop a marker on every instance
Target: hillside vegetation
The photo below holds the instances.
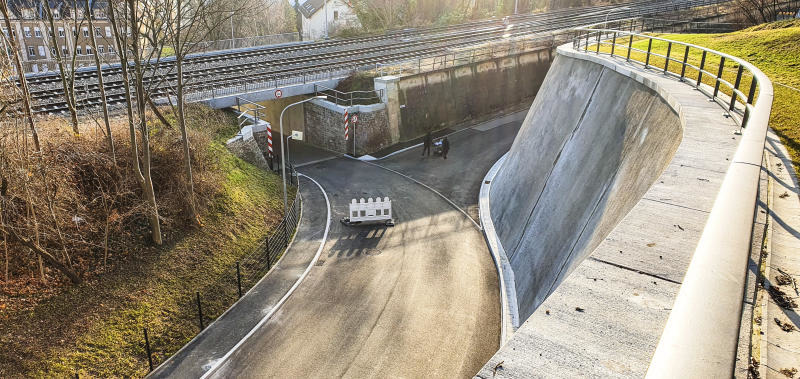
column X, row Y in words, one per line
column 775, row 49
column 50, row 327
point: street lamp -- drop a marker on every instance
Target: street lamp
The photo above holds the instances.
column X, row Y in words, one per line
column 283, row 161
column 233, row 40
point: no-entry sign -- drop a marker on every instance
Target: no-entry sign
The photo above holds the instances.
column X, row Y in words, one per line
column 354, row 118
column 278, row 94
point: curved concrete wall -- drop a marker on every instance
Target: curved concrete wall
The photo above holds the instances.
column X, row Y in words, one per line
column 594, row 141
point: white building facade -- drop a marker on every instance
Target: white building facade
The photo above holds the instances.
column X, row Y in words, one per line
column 337, row 14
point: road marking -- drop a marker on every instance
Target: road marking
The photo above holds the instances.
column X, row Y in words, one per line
column 218, row 363
column 424, row 185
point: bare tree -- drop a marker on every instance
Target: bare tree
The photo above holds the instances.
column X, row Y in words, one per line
column 66, row 72
column 99, row 70
column 191, row 22
column 123, row 18
column 23, row 83
column 758, row 11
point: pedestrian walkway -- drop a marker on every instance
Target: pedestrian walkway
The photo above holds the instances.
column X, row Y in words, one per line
column 779, row 352
column 210, row 346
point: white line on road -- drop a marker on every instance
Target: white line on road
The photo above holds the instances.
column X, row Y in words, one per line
column 216, row 365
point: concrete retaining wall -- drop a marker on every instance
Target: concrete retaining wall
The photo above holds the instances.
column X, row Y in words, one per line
column 594, row 141
column 439, row 99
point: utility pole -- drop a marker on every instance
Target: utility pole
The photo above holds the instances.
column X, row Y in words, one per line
column 516, row 6
column 326, row 19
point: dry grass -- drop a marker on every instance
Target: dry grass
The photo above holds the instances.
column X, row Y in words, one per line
column 51, row 328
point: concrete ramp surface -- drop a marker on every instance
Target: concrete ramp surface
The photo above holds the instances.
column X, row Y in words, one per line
column 592, row 144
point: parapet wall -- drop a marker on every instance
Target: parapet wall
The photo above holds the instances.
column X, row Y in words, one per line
column 594, row 141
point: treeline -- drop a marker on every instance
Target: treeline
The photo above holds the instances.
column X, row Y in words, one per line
column 39, row 217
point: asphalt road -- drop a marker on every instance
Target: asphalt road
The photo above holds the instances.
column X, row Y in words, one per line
column 194, row 359
column 472, row 153
column 420, row 299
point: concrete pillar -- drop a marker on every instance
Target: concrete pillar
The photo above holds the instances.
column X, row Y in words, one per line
column 390, row 86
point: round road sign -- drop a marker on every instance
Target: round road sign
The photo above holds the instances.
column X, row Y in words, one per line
column 278, row 94
column 355, row 118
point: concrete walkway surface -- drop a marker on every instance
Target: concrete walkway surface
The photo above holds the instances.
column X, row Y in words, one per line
column 780, row 322
column 220, row 337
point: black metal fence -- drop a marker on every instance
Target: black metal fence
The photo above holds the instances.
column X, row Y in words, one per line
column 206, row 304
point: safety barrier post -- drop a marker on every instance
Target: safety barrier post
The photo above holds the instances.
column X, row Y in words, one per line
column 719, row 75
column 613, row 43
column 146, row 349
column 666, row 64
column 630, row 46
column 736, row 87
column 649, row 48
column 685, row 58
column 239, row 279
column 598, row 42
column 200, row 312
column 702, row 66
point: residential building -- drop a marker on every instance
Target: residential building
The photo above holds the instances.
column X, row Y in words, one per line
column 37, row 42
column 340, row 14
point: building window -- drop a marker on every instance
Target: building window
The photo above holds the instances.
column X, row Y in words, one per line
column 88, row 50
column 74, row 32
column 101, row 49
column 61, row 32
column 108, row 32
column 97, row 32
column 99, row 14
column 37, row 32
column 5, row 31
column 31, row 51
column 27, row 13
column 26, row 31
column 85, row 32
column 64, row 51
column 53, row 51
column 56, row 14
column 110, row 49
column 42, row 51
column 78, row 50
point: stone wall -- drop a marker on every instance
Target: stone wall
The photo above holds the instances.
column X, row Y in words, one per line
column 324, row 126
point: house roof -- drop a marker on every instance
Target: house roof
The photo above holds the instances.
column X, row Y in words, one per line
column 309, row 7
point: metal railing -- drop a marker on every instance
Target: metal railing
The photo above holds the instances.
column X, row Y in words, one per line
column 349, row 98
column 246, row 42
column 701, row 335
column 722, row 77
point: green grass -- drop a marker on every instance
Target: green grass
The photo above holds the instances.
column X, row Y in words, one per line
column 96, row 328
column 774, row 48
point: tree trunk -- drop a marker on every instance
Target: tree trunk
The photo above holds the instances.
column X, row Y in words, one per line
column 43, row 254
column 23, row 83
column 141, row 101
column 103, row 99
column 187, row 159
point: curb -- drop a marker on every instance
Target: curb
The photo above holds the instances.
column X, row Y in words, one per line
column 508, row 293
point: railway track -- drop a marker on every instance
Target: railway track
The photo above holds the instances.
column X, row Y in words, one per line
column 274, row 63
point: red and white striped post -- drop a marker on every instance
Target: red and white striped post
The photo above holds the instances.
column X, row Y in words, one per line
column 269, row 139
column 346, row 125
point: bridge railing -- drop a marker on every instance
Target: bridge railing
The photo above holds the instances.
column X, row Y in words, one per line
column 702, row 332
column 349, row 98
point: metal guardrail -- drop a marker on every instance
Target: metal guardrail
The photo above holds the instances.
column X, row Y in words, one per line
column 349, row 98
column 701, row 336
column 738, row 89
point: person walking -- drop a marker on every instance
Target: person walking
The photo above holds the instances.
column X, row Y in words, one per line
column 445, row 147
column 426, row 144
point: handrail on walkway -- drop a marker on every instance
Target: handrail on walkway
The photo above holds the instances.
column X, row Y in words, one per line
column 701, row 336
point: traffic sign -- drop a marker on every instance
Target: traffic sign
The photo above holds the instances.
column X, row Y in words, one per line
column 278, row 94
column 354, row 118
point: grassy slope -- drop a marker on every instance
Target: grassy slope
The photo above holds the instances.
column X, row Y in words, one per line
column 95, row 329
column 773, row 48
